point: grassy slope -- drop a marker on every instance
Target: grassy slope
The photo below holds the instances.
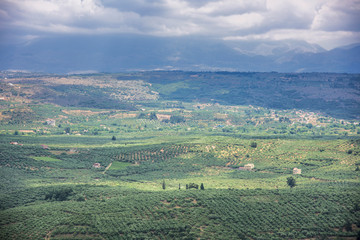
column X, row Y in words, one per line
column 127, row 201
column 234, row 203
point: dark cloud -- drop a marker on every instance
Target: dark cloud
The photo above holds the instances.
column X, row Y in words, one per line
column 243, row 19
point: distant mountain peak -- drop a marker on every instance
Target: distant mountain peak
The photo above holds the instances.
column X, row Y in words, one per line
column 270, row 48
column 130, row 52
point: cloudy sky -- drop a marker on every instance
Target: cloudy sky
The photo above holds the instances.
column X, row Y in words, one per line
column 329, row 23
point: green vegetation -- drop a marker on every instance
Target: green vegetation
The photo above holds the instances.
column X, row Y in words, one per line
column 119, row 165
column 166, row 167
column 47, row 159
column 291, row 182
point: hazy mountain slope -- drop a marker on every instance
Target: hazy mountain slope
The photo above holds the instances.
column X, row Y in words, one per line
column 114, row 54
column 333, row 94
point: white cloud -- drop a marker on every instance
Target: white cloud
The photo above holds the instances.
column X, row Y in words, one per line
column 327, row 40
column 232, row 7
column 68, row 16
column 326, row 22
column 336, row 15
column 238, row 22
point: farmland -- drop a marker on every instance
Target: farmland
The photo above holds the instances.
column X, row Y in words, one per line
column 115, row 157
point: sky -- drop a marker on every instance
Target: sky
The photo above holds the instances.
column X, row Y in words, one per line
column 328, row 23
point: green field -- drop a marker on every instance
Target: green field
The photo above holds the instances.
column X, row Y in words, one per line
column 119, row 165
column 46, row 159
column 149, row 158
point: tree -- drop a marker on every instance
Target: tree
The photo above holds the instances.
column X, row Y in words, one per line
column 193, row 185
column 67, row 130
column 153, row 116
column 291, row 182
column 202, row 186
column 60, row 194
column 177, row 119
column 142, row 115
column 348, row 226
column 356, row 208
column 253, row 144
column 163, row 185
column 113, row 138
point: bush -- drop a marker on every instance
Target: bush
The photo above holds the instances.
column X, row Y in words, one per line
column 67, row 130
column 153, row 116
column 59, row 194
column 291, row 182
column 80, row 199
column 177, row 119
column 193, row 185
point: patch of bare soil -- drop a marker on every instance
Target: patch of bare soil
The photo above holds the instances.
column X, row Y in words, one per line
column 82, row 112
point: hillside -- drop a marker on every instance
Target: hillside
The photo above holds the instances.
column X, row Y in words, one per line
column 179, row 155
column 332, row 94
column 335, row 95
column 67, row 54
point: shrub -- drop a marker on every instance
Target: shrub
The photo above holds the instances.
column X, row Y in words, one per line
column 61, row 194
column 291, row 182
column 193, row 185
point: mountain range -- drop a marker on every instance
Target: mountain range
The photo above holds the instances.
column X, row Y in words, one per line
column 74, row 54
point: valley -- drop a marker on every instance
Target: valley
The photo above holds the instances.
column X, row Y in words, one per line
column 179, row 155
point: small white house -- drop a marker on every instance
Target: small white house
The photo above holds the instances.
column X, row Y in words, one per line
column 249, row 166
column 96, row 165
column 51, row 122
column 296, row 171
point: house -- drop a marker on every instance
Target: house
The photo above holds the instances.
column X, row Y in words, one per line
column 73, row 150
column 51, row 122
column 96, row 165
column 296, row 171
column 247, row 167
column 14, row 143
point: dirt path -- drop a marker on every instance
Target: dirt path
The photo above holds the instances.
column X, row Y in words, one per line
column 107, row 168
